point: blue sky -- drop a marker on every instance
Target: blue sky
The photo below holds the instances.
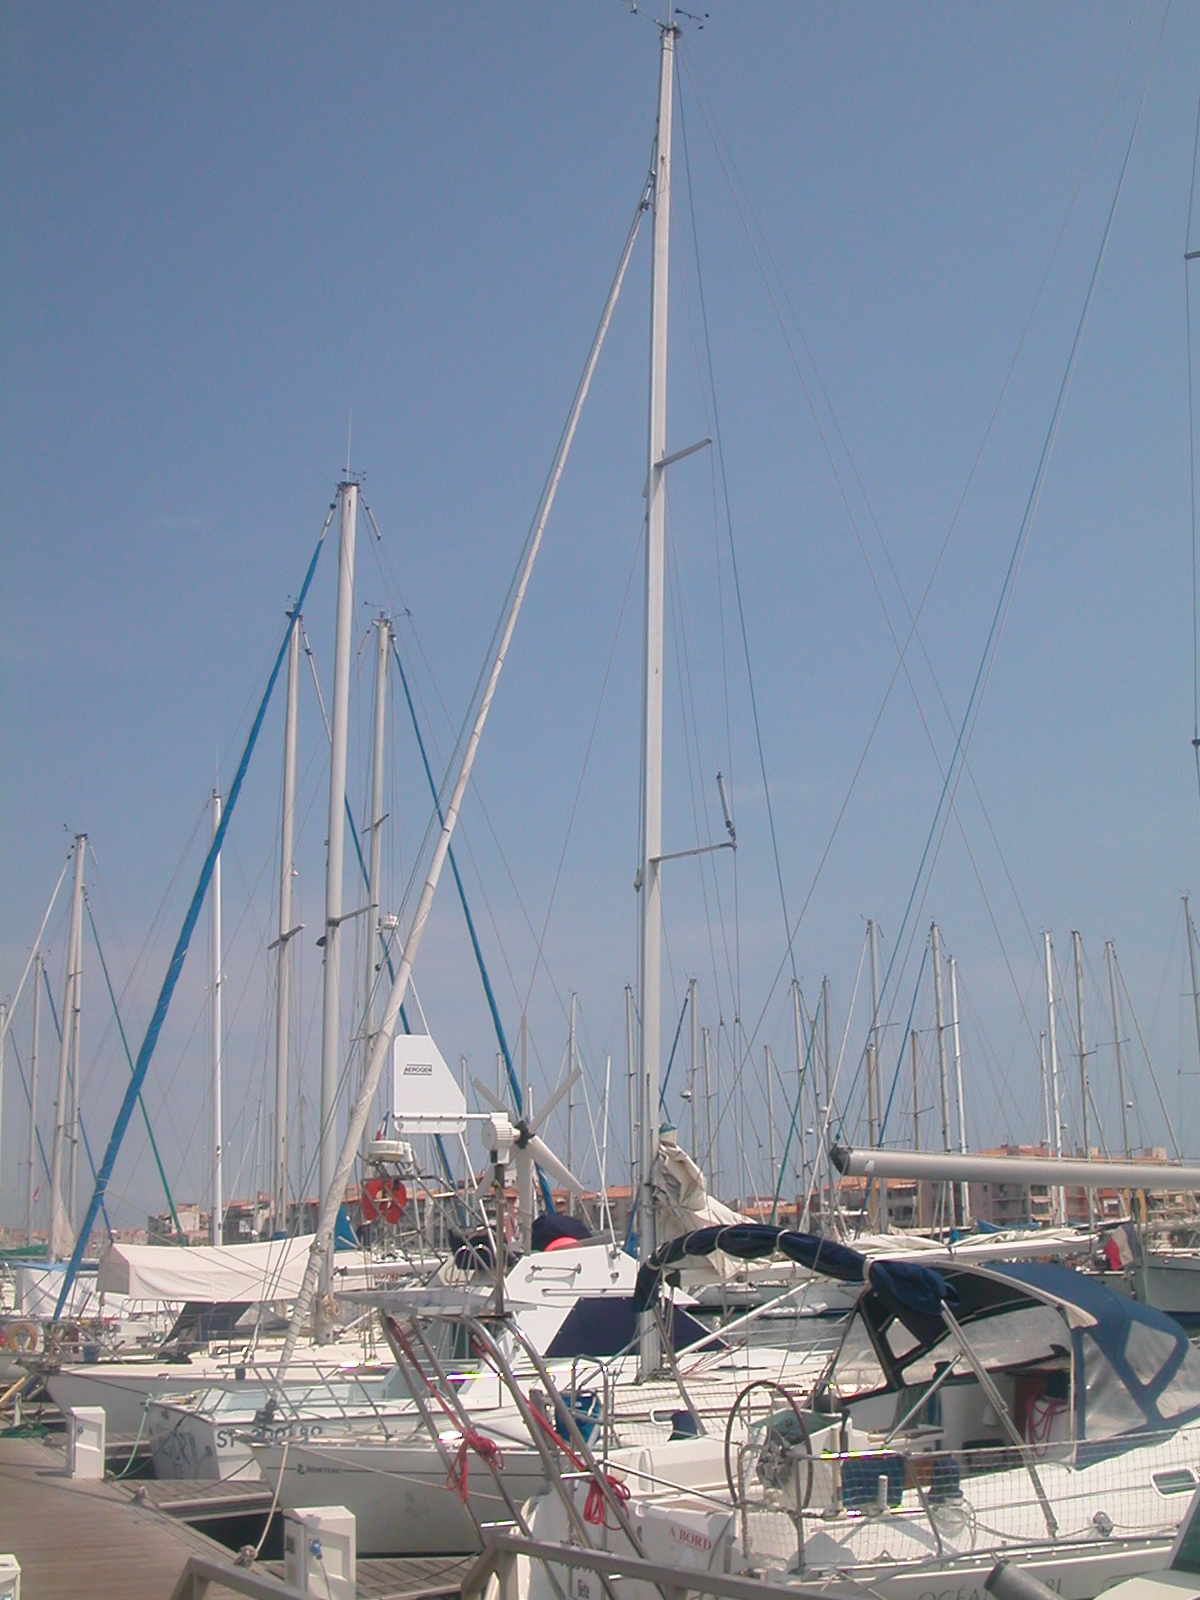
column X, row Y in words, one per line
column 227, row 230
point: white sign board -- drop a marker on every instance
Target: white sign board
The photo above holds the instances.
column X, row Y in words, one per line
column 425, row 1097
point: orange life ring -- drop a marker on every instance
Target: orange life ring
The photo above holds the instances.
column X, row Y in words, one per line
column 21, row 1336
column 384, row 1197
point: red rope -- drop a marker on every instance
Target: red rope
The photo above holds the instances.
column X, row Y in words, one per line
column 594, row 1506
column 486, row 1449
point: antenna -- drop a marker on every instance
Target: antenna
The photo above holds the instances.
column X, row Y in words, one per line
column 349, row 429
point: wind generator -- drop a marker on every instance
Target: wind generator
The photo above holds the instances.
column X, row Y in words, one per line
column 504, row 1137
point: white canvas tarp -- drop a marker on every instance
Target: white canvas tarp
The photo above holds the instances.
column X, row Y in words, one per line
column 215, row 1274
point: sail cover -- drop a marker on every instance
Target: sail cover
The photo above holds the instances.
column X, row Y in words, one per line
column 209, row 1273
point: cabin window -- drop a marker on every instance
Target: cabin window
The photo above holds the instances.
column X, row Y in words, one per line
column 1109, row 1408
column 858, row 1370
column 1148, row 1350
column 1181, row 1397
column 1026, row 1336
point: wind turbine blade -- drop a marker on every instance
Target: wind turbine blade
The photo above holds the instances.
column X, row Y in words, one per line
column 549, row 1162
column 487, row 1094
column 540, row 1120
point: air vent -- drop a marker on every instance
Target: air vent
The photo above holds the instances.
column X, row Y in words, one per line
column 1179, row 1480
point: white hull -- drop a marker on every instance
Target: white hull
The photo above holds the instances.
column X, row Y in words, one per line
column 123, row 1388
column 1113, row 1521
column 398, row 1492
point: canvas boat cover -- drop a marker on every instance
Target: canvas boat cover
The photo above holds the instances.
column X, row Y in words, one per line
column 209, row 1273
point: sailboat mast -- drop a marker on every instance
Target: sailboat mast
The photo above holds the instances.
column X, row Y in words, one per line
column 767, row 1068
column 1191, row 943
column 61, row 1240
column 652, row 700
column 33, row 1094
column 826, row 1111
column 631, row 1082
column 1052, row 1029
column 964, row 1198
column 1084, row 1089
column 695, row 1060
column 571, row 1101
column 796, row 1022
column 710, row 1151
column 874, row 1063
column 286, row 933
column 75, row 1022
column 383, row 644
column 218, row 1198
column 1111, row 957
column 331, row 997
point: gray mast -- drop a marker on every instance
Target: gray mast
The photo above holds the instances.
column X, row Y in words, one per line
column 75, row 1023
column 1191, row 940
column 964, row 1196
column 571, row 1101
column 1110, row 956
column 801, row 1222
column 286, row 933
column 695, row 1058
column 875, row 1066
column 652, row 701
column 33, row 1093
column 331, row 997
column 1052, row 1029
column 827, row 1110
column 1084, row 1088
column 218, row 1197
column 769, row 1070
column 943, row 1076
column 61, row 1240
column 383, row 641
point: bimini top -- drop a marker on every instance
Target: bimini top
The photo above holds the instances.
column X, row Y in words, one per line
column 1132, row 1369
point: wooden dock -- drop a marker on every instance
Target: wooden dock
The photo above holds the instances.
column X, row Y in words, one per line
column 78, row 1538
column 130, row 1540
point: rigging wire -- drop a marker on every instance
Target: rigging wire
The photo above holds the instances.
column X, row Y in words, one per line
column 1188, row 256
column 710, row 122
column 1020, row 544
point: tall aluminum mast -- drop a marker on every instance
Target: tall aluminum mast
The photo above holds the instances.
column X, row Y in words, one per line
column 874, row 1066
column 33, row 1093
column 279, row 1186
column 215, row 1231
column 571, row 1046
column 1191, row 939
column 330, row 1012
column 652, row 703
column 62, row 1241
column 1111, row 957
column 75, row 1021
column 1084, row 1087
column 964, row 1198
column 943, row 1075
column 694, row 1028
column 1060, row 1206
column 383, row 641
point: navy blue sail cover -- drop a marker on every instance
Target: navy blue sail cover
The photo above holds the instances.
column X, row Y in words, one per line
column 905, row 1286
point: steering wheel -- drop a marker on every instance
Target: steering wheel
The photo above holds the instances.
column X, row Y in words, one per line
column 763, row 1433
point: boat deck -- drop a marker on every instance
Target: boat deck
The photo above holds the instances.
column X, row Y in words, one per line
column 130, row 1541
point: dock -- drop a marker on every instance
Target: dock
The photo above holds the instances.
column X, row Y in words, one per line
column 131, row 1540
